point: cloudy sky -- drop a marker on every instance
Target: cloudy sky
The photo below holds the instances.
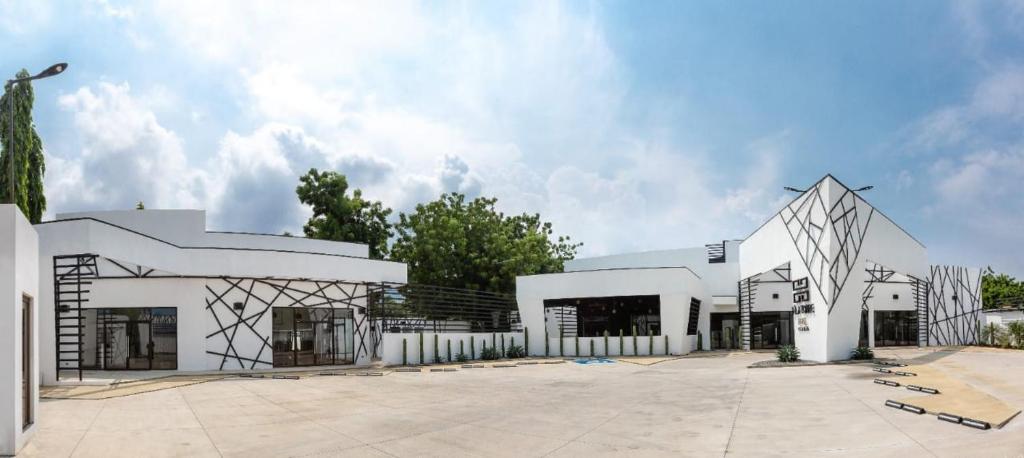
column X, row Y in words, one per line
column 629, row 126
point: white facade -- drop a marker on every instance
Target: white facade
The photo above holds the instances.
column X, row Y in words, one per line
column 864, row 276
column 18, row 288
column 224, row 287
column 1002, row 317
column 676, row 286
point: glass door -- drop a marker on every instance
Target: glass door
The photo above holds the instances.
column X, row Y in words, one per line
column 304, row 337
column 115, row 344
column 312, row 336
column 140, row 345
column 284, row 337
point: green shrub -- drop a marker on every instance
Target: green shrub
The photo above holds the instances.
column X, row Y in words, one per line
column 491, row 352
column 515, row 351
column 461, row 357
column 787, row 353
column 992, row 334
column 862, row 353
column 1016, row 330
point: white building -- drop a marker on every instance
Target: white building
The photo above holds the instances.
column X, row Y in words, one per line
column 827, row 273
column 153, row 289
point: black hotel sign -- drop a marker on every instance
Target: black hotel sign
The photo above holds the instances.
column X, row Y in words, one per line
column 802, row 296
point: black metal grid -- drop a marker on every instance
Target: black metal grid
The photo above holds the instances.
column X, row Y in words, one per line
column 414, row 308
column 954, row 305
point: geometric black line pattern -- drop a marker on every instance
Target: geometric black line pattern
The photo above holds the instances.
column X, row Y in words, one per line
column 954, row 307
column 809, row 219
column 242, row 336
column 805, row 219
column 849, row 228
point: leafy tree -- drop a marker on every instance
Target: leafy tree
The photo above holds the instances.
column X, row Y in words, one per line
column 455, row 243
column 337, row 216
column 28, row 147
column 1001, row 291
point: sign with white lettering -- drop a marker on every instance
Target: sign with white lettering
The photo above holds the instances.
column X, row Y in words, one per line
column 802, row 302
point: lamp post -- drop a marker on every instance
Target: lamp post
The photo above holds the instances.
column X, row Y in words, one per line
column 52, row 70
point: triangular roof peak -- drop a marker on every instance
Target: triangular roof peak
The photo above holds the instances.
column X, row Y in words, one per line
column 855, row 192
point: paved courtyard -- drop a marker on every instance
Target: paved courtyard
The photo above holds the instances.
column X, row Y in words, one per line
column 707, row 406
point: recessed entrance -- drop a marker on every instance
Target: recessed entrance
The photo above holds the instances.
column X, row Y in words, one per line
column 312, row 336
column 771, row 329
column 895, row 328
column 725, row 331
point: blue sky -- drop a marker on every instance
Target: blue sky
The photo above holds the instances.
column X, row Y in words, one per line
column 630, row 126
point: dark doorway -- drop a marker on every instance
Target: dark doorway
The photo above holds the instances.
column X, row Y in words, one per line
column 131, row 338
column 725, row 331
column 312, row 336
column 895, row 328
column 771, row 329
column 595, row 316
column 26, row 361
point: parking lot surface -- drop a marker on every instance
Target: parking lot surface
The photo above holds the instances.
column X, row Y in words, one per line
column 712, row 405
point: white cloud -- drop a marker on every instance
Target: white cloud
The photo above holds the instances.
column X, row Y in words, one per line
column 408, row 103
column 23, row 18
column 125, row 156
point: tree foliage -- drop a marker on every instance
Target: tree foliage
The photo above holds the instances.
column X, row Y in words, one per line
column 338, row 216
column 28, row 147
column 454, row 243
column 1001, row 291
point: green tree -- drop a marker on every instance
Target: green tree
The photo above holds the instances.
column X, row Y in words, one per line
column 1001, row 291
column 337, row 216
column 29, row 166
column 455, row 243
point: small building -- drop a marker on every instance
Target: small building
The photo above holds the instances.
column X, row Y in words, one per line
column 153, row 289
column 1003, row 316
column 827, row 273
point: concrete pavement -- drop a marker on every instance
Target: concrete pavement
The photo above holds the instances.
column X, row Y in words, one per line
column 711, row 406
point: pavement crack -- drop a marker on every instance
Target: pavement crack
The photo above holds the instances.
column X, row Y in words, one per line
column 739, row 406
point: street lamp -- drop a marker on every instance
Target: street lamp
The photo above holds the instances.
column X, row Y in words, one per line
column 52, row 70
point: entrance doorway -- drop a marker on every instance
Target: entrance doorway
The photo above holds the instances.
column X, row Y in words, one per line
column 725, row 331
column 312, row 336
column 26, row 361
column 130, row 338
column 895, row 328
column 771, row 329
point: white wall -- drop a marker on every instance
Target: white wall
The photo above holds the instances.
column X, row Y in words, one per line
column 835, row 325
column 391, row 346
column 1001, row 317
column 719, row 279
column 87, row 236
column 184, row 294
column 189, row 296
column 675, row 286
column 18, row 277
column 188, row 228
